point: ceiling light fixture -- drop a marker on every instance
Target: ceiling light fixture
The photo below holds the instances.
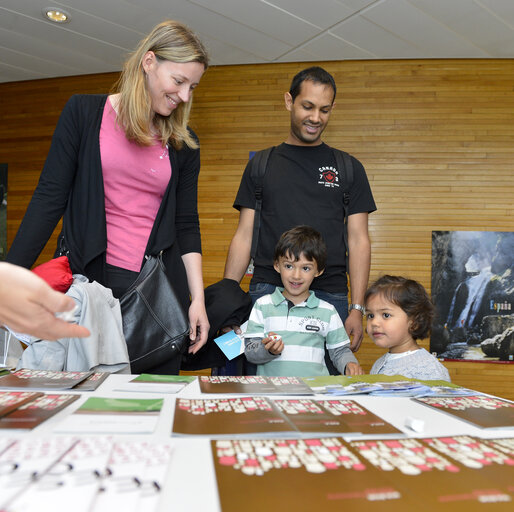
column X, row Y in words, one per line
column 56, row 15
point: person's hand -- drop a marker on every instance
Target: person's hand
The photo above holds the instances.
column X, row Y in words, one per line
column 353, row 327
column 28, row 305
column 199, row 326
column 274, row 346
column 228, row 328
column 353, row 369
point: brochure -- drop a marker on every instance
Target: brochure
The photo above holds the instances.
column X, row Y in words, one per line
column 35, row 412
column 11, row 400
column 331, row 474
column 483, row 411
column 42, row 380
column 490, row 457
column 254, row 385
column 228, row 416
column 113, row 416
column 92, row 382
column 333, row 416
column 301, row 474
column 437, row 477
column 149, row 383
column 261, row 415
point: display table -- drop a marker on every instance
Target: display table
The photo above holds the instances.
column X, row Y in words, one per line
column 190, row 483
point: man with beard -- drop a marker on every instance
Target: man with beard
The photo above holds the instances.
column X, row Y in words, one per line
column 303, row 185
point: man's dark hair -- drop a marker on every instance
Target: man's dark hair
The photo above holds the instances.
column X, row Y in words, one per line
column 411, row 297
column 302, row 240
column 314, row 74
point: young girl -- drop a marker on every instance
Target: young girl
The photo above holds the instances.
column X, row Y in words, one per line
column 399, row 312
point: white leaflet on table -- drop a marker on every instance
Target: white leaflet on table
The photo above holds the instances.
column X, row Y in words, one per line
column 72, row 483
column 26, row 461
column 135, row 477
column 108, row 424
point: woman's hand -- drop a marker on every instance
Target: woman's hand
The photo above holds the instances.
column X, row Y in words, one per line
column 199, row 326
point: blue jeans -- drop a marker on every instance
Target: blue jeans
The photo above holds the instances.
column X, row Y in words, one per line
column 338, row 300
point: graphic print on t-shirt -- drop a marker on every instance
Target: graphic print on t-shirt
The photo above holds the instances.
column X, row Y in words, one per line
column 328, row 176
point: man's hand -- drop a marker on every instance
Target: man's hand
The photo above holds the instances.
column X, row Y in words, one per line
column 353, row 369
column 353, row 327
column 228, row 328
column 28, row 305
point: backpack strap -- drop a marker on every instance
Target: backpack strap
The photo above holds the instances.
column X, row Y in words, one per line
column 345, row 167
column 259, row 163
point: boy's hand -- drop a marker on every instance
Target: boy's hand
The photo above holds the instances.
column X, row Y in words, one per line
column 273, row 343
column 353, row 369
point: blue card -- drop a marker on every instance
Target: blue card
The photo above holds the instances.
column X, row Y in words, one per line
column 231, row 344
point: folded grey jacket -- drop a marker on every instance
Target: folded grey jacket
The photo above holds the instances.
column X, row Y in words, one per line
column 105, row 350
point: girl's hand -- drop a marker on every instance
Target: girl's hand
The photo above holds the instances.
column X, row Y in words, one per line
column 353, row 369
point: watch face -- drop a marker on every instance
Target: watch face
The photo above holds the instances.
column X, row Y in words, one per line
column 358, row 307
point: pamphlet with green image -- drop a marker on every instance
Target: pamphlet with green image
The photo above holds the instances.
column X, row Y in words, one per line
column 114, row 416
column 147, row 377
column 120, row 405
column 149, row 383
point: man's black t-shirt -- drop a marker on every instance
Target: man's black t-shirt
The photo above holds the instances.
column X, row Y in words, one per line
column 303, row 186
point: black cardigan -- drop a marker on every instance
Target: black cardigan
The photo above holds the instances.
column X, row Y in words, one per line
column 71, row 187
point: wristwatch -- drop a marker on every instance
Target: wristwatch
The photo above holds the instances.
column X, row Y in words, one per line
column 358, row 307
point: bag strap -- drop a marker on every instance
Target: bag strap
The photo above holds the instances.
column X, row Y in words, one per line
column 345, row 167
column 259, row 163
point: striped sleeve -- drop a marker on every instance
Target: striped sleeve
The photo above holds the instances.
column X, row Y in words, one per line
column 336, row 334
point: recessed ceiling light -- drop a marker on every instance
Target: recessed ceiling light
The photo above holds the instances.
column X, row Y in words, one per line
column 56, row 15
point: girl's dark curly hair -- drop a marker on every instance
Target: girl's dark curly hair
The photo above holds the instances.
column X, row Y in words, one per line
column 411, row 297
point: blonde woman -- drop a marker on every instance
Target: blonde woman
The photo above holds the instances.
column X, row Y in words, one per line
column 122, row 172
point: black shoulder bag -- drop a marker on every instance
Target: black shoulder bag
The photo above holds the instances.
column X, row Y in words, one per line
column 155, row 324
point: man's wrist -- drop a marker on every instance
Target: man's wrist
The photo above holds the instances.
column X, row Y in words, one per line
column 358, row 307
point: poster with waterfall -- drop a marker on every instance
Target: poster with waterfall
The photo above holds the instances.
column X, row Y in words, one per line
column 473, row 292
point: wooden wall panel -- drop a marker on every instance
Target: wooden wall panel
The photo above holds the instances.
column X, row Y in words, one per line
column 435, row 136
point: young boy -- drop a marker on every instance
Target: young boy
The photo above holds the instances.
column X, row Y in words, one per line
column 288, row 329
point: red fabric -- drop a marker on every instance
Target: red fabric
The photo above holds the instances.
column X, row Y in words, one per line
column 56, row 273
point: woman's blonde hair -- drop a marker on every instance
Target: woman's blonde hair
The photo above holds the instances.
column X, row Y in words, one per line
column 173, row 41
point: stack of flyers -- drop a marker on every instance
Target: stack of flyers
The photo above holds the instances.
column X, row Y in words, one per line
column 358, row 388
column 384, row 385
column 400, row 388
